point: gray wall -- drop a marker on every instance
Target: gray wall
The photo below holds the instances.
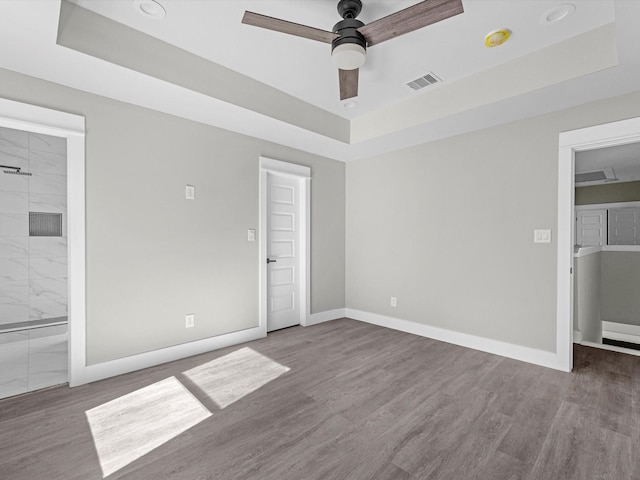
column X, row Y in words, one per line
column 611, row 193
column 620, row 285
column 447, row 228
column 152, row 256
column 587, row 297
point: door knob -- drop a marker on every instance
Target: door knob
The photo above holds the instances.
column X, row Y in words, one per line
column 270, row 260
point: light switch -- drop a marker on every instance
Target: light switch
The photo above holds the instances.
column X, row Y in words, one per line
column 190, row 192
column 251, row 235
column 542, row 236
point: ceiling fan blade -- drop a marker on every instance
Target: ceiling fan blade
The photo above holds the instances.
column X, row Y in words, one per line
column 348, row 83
column 410, row 19
column 283, row 26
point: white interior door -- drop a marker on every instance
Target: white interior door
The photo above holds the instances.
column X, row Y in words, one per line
column 591, row 227
column 283, row 251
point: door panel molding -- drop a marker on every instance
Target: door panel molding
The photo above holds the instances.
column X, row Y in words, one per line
column 280, row 168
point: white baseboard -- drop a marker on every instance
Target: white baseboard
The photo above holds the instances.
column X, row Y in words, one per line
column 613, row 348
column 621, row 331
column 325, row 316
column 92, row 373
column 517, row 352
column 577, row 336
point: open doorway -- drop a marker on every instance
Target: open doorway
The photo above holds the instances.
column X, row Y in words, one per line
column 607, row 250
column 577, row 153
column 68, row 130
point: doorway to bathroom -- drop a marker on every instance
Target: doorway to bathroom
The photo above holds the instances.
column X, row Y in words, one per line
column 33, row 261
column 42, row 248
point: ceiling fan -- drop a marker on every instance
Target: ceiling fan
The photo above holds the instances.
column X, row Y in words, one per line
column 350, row 37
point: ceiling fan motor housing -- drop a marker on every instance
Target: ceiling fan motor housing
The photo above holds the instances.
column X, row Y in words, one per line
column 350, row 44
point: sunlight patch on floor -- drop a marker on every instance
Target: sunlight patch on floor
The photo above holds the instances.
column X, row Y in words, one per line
column 229, row 378
column 133, row 425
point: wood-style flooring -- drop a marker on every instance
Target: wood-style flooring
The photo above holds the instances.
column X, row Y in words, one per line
column 355, row 401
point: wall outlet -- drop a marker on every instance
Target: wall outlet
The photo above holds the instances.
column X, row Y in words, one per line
column 394, row 302
column 190, row 320
column 190, row 192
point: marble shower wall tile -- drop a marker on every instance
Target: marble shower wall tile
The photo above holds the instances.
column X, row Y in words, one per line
column 13, row 312
column 14, row 291
column 51, row 288
column 14, row 269
column 47, row 331
column 14, row 358
column 48, row 247
column 42, row 202
column 16, row 203
column 14, row 156
column 48, row 162
column 33, row 359
column 14, row 225
column 13, row 183
column 48, row 267
column 47, row 143
column 13, row 138
column 11, row 337
column 49, row 183
column 14, row 247
column 47, row 361
column 46, row 308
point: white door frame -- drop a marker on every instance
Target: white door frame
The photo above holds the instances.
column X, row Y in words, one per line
column 30, row 118
column 590, row 138
column 277, row 167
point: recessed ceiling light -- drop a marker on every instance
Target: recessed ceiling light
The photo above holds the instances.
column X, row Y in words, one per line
column 557, row 13
column 350, row 104
column 497, row 37
column 149, row 9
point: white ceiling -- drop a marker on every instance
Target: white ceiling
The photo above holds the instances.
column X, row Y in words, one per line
column 453, row 49
column 623, row 159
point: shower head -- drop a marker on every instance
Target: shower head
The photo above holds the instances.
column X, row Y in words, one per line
column 14, row 170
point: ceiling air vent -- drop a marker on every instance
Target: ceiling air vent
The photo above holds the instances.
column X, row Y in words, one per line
column 424, row 81
column 595, row 176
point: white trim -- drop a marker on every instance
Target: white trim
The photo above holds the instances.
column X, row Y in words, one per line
column 326, row 316
column 590, row 250
column 577, row 336
column 599, row 136
column 621, row 331
column 586, row 251
column 36, row 119
column 305, row 250
column 31, row 118
column 621, row 248
column 277, row 167
column 613, row 348
column 119, row 366
column 525, row 354
column 595, row 206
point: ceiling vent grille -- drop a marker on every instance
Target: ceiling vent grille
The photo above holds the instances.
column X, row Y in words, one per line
column 424, row 81
column 595, row 176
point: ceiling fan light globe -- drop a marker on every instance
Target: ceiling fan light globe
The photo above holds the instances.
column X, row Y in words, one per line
column 348, row 56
